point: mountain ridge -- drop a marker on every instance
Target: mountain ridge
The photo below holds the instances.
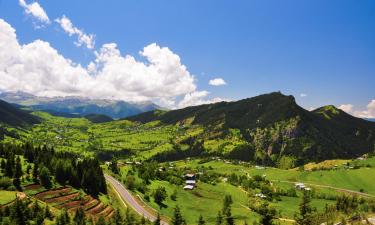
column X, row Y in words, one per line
column 82, row 106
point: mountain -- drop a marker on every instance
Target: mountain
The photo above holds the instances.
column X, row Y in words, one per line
column 78, row 106
column 273, row 126
column 13, row 116
column 371, row 119
column 98, row 118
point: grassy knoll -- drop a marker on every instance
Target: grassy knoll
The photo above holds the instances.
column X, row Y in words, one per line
column 7, row 196
column 206, row 199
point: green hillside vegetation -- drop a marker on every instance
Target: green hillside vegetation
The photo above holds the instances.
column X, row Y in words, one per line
column 98, row 118
column 10, row 115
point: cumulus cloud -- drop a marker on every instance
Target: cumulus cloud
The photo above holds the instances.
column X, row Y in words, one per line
column 197, row 98
column 369, row 112
column 160, row 77
column 82, row 38
column 346, row 108
column 36, row 11
column 217, row 82
column 302, row 95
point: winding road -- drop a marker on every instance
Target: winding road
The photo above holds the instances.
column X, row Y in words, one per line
column 130, row 200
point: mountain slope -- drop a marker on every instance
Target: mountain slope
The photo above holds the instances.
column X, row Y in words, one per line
column 98, row 118
column 70, row 106
column 13, row 116
column 273, row 126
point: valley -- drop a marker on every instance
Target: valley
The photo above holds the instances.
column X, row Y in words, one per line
column 254, row 157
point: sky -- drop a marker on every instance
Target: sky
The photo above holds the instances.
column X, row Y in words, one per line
column 181, row 53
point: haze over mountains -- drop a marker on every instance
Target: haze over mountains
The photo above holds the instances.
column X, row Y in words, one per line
column 78, row 106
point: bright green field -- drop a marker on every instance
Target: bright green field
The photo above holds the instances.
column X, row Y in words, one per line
column 7, row 196
column 352, row 179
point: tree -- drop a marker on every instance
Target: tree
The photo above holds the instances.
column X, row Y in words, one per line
column 305, row 216
column 130, row 182
column 219, row 218
column 101, row 221
column 35, row 172
column 174, row 195
column 117, row 218
column 17, row 173
column 63, row 218
column 48, row 213
column 113, row 166
column 267, row 214
column 160, row 194
column 177, row 217
column 79, row 217
column 227, row 211
column 201, row 220
column 158, row 220
column 45, row 178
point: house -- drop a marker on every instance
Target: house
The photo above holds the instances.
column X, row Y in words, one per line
column 188, row 187
column 300, row 186
column 260, row 195
column 190, row 182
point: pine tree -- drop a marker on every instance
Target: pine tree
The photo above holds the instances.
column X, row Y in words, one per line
column 227, row 211
column 45, row 178
column 201, row 220
column 35, row 172
column 219, row 218
column 47, row 213
column 101, row 221
column 63, row 218
column 305, row 216
column 117, row 219
column 79, row 217
column 158, row 220
column 267, row 214
column 177, row 217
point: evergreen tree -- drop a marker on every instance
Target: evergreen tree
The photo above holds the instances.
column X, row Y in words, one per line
column 117, row 219
column 79, row 217
column 160, row 195
column 17, row 215
column 201, row 220
column 219, row 218
column 17, row 173
column 63, row 218
column 305, row 216
column 177, row 217
column 158, row 220
column 48, row 213
column 101, row 221
column 227, row 211
column 45, row 178
column 35, row 172
column 267, row 214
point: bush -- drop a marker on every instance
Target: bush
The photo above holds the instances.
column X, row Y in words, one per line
column 5, row 183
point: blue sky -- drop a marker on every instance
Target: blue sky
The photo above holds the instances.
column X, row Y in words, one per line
column 323, row 49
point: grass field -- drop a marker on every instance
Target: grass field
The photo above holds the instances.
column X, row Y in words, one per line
column 7, row 196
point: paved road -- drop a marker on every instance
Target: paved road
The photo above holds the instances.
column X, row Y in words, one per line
column 330, row 187
column 130, row 200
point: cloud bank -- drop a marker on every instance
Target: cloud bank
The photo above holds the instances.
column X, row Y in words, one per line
column 39, row 69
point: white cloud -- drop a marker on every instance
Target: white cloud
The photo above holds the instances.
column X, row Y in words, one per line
column 302, row 95
column 197, row 98
column 35, row 10
column 161, row 78
column 346, row 108
column 369, row 112
column 83, row 38
column 217, row 82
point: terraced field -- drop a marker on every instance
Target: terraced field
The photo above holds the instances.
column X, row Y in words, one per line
column 71, row 199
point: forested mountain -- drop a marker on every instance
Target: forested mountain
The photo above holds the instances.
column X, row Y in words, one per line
column 78, row 106
column 273, row 126
column 13, row 116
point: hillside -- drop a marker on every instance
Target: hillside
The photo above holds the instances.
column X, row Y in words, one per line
column 13, row 116
column 78, row 106
column 273, row 125
column 98, row 118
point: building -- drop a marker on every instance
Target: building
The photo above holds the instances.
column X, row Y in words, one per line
column 188, row 187
column 190, row 182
